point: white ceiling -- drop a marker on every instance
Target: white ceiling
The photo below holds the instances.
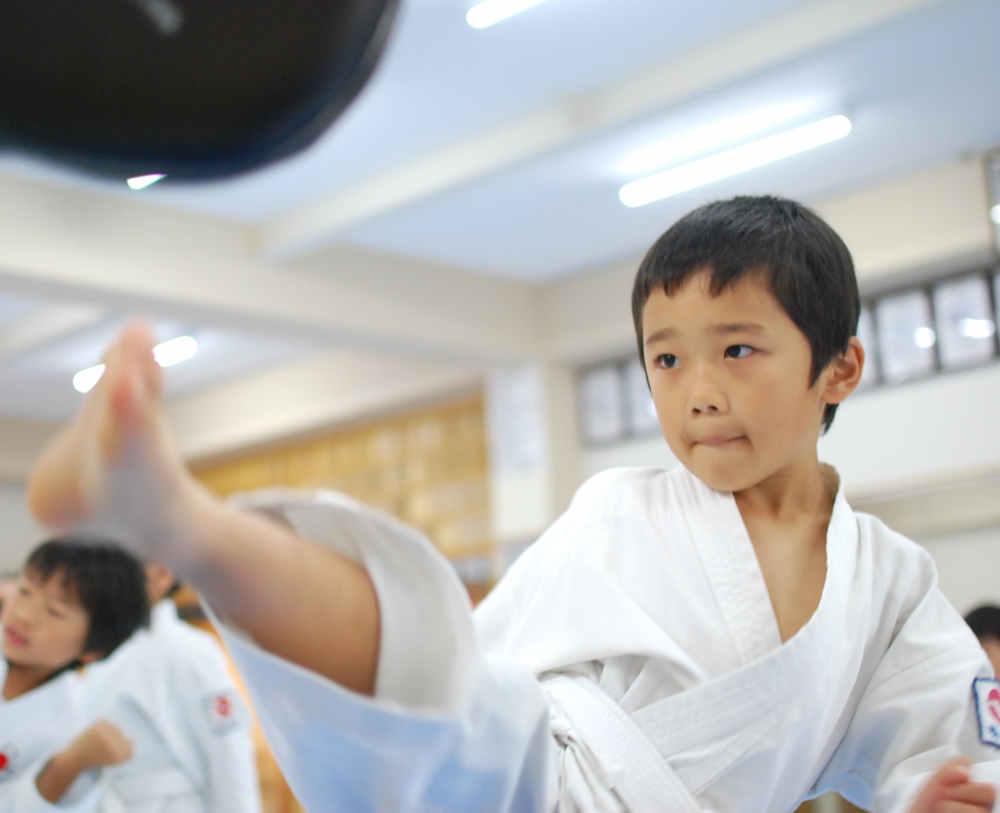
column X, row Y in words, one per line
column 36, row 378
column 918, row 89
column 916, row 77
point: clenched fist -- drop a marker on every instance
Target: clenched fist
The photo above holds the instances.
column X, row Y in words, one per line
column 951, row 790
column 101, row 745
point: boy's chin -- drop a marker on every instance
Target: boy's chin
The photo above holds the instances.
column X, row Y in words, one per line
column 14, row 659
column 19, row 660
column 725, row 478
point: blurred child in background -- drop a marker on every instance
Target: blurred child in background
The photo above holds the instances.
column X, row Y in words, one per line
column 985, row 623
column 73, row 604
column 169, row 690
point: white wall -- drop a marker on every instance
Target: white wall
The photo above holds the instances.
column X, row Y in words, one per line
column 648, row 451
column 968, row 566
column 898, row 439
column 19, row 533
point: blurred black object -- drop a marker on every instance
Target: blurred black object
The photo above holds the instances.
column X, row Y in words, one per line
column 195, row 89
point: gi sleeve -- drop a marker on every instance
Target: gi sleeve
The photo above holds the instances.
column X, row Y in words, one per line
column 221, row 728
column 449, row 728
column 918, row 710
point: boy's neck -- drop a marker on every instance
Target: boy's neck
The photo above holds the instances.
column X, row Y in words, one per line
column 805, row 486
column 787, row 516
column 22, row 679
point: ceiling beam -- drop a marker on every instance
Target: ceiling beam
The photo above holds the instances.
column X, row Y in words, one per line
column 46, row 325
column 754, row 49
column 127, row 256
column 333, row 389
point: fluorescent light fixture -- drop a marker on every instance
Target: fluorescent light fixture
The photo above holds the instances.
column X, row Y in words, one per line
column 166, row 354
column 976, row 328
column 734, row 161
column 924, row 337
column 85, row 380
column 142, row 181
column 175, row 351
column 493, row 11
column 995, row 214
column 733, row 129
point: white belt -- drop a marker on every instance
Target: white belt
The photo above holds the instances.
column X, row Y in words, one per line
column 647, row 783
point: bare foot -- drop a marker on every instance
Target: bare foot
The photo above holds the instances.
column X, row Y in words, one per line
column 114, row 471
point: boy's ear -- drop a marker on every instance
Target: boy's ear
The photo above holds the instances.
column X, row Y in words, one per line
column 843, row 374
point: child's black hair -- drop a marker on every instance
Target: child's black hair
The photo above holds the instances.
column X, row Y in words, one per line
column 109, row 583
column 804, row 262
column 985, row 622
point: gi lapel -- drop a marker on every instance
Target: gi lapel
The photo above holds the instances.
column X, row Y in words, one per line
column 730, row 563
column 730, row 714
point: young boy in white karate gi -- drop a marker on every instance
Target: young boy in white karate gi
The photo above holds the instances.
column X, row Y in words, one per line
column 73, row 604
column 728, row 636
column 169, row 690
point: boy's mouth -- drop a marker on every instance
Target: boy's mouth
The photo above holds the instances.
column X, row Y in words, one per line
column 13, row 638
column 716, row 441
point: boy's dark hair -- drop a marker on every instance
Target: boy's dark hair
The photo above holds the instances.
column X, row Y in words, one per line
column 985, row 621
column 109, row 583
column 803, row 261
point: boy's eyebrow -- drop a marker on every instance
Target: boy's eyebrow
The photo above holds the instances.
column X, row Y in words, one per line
column 664, row 333
column 722, row 329
column 738, row 327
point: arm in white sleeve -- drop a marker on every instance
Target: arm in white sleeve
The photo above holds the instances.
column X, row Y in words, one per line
column 448, row 727
column 221, row 726
column 82, row 796
column 917, row 713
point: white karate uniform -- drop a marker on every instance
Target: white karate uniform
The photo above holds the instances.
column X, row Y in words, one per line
column 169, row 690
column 33, row 728
column 630, row 660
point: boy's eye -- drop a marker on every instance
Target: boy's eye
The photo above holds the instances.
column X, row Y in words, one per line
column 667, row 360
column 738, row 351
column 56, row 614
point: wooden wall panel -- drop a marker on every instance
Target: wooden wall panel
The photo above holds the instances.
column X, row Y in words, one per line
column 429, row 468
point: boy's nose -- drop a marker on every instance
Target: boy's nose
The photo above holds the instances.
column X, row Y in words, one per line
column 707, row 397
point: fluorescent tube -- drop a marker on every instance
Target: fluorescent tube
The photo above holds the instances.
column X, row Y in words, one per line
column 734, row 161
column 142, row 181
column 175, row 351
column 493, row 11
column 166, row 354
column 85, row 380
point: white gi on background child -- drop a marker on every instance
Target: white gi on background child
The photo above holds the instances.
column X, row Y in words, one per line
column 728, row 636
column 169, row 690
column 73, row 604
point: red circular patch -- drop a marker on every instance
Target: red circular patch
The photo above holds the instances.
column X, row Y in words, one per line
column 3, row 762
column 222, row 707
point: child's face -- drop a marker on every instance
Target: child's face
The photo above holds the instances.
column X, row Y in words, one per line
column 730, row 379
column 44, row 626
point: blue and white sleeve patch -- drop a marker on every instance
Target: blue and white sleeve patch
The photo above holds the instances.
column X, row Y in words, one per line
column 224, row 712
column 987, row 694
